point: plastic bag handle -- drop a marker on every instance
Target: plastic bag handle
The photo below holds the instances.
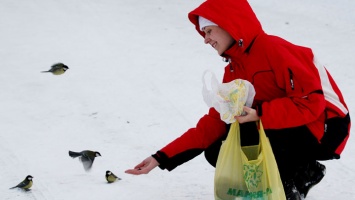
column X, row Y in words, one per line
column 208, row 95
column 214, row 81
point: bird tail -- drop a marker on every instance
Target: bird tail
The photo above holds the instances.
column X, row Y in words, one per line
column 74, row 154
column 13, row 187
column 44, row 71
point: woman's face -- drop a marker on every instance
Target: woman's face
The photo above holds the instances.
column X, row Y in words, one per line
column 218, row 38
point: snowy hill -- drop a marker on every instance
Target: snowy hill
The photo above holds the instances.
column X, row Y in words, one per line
column 133, row 85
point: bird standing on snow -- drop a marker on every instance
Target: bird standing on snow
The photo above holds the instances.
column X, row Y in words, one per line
column 25, row 184
column 110, row 177
column 58, row 69
column 87, row 157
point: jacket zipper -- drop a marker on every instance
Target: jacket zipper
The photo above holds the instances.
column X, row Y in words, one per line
column 291, row 79
column 230, row 63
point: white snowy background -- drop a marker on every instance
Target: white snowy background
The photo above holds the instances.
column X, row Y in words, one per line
column 134, row 85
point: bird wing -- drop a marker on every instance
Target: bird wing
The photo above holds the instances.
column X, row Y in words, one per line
column 87, row 162
column 57, row 66
column 21, row 185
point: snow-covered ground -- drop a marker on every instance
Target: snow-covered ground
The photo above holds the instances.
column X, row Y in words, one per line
column 134, row 84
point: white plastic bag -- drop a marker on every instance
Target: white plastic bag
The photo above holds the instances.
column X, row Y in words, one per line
column 228, row 98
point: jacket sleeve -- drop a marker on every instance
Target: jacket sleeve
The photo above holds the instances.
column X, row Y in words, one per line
column 291, row 112
column 193, row 142
column 297, row 75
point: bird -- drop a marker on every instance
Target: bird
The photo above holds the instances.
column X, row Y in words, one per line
column 110, row 177
column 25, row 184
column 87, row 157
column 57, row 69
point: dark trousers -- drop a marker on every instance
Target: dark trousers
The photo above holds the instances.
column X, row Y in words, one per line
column 292, row 147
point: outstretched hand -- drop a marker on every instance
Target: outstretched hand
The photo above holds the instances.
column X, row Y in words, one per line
column 144, row 167
column 251, row 115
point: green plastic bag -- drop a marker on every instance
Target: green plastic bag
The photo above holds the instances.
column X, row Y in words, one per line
column 248, row 172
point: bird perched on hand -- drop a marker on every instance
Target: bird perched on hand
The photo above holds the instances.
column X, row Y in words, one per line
column 110, row 177
column 58, row 69
column 87, row 157
column 25, row 184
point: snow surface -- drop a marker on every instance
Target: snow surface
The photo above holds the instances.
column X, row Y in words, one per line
column 134, row 85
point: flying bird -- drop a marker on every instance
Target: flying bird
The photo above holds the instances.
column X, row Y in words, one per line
column 25, row 184
column 110, row 177
column 57, row 69
column 87, row 157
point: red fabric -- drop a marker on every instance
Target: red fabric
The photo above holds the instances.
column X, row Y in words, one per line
column 288, row 84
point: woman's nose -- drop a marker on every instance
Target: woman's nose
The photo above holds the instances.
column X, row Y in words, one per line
column 207, row 40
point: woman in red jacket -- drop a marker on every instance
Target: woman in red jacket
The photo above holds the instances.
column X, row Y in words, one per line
column 303, row 112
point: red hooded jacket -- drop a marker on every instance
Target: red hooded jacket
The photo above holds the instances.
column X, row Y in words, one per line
column 292, row 89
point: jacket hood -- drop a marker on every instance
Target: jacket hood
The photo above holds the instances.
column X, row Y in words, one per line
column 234, row 16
